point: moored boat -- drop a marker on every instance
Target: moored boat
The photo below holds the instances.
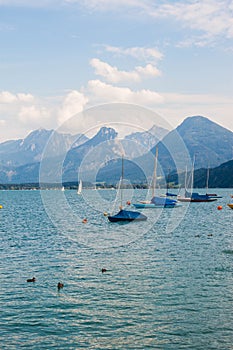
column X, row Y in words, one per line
column 230, row 205
column 125, row 215
column 156, row 201
column 196, row 197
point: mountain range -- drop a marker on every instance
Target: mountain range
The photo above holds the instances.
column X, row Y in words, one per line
column 67, row 158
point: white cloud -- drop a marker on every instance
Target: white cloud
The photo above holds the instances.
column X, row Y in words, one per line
column 140, row 53
column 34, row 116
column 213, row 18
column 148, row 70
column 113, row 75
column 72, row 104
column 107, row 5
column 101, row 92
column 25, row 97
column 209, row 19
column 8, row 97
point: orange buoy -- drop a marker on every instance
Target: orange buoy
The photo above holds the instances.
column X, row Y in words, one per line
column 84, row 221
column 219, row 207
column 128, row 202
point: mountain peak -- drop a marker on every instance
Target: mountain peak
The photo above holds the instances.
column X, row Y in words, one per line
column 104, row 134
column 201, row 124
column 110, row 133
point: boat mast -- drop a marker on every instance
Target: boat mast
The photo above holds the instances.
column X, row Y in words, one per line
column 122, row 177
column 155, row 171
column 192, row 175
column 207, row 178
column 168, row 179
column 185, row 179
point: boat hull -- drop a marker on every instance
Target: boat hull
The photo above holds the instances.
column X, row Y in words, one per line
column 157, row 202
column 152, row 205
column 127, row 216
column 195, row 197
column 230, row 205
column 196, row 200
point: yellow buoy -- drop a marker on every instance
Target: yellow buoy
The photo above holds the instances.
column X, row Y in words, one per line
column 105, row 213
column 0, row 206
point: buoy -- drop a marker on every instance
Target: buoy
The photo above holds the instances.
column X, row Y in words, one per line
column 105, row 213
column 0, row 206
column 84, row 221
column 128, row 202
column 219, row 207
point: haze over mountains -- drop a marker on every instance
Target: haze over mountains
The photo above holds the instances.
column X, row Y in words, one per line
column 67, row 157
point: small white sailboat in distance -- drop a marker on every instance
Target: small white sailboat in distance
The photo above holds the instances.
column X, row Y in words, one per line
column 80, row 187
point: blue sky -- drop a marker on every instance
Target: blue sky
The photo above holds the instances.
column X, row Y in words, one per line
column 61, row 57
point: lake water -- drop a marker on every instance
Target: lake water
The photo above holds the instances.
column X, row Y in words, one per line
column 168, row 285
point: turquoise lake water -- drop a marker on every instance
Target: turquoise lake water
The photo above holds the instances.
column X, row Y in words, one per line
column 168, row 285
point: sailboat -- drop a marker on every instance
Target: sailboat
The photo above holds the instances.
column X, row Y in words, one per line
column 125, row 215
column 230, row 205
column 156, row 201
column 169, row 194
column 80, row 186
column 211, row 195
column 194, row 196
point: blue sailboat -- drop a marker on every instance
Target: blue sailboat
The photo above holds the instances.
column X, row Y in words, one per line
column 156, row 201
column 195, row 196
column 126, row 215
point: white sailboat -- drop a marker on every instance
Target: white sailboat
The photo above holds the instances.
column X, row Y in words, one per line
column 80, row 187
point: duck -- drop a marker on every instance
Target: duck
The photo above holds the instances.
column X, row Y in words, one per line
column 31, row 279
column 60, row 285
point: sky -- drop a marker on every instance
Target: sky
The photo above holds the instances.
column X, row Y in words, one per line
column 59, row 58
